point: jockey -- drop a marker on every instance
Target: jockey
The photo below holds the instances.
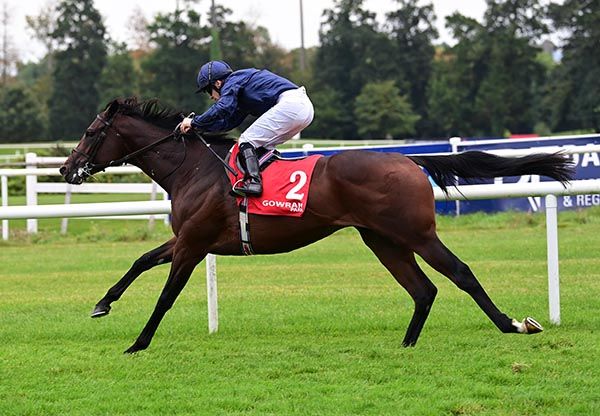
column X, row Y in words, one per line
column 283, row 110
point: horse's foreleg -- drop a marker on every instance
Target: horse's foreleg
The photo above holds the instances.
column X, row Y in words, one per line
column 444, row 261
column 181, row 269
column 160, row 255
column 401, row 263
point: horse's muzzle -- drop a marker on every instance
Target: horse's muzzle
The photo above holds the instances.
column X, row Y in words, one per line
column 74, row 176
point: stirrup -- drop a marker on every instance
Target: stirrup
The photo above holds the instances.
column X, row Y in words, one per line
column 244, row 189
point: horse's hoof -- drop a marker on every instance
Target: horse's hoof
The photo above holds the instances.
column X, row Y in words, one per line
column 134, row 349
column 100, row 311
column 528, row 326
column 532, row 326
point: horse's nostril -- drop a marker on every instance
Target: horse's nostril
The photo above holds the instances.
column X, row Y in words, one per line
column 63, row 170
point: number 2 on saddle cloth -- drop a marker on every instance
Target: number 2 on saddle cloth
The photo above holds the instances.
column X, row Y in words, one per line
column 285, row 185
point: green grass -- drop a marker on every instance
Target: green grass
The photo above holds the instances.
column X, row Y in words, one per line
column 315, row 331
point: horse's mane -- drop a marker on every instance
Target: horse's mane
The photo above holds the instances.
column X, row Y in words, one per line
column 159, row 114
column 151, row 110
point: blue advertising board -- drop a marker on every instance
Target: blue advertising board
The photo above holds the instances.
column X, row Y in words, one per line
column 587, row 167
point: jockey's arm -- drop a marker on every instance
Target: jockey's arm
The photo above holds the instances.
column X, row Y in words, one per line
column 218, row 125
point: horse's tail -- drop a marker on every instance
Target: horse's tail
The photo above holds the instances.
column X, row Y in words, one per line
column 474, row 164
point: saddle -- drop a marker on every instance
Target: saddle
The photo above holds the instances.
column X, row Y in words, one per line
column 285, row 187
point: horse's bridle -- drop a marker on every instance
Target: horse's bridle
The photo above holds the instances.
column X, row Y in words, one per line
column 89, row 167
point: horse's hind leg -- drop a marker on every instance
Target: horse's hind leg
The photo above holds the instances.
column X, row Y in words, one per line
column 444, row 261
column 401, row 263
column 160, row 255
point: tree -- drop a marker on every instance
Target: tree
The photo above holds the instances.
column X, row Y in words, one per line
column 20, row 115
column 35, row 78
column 42, row 26
column 243, row 45
column 8, row 53
column 507, row 98
column 353, row 53
column 494, row 75
column 382, row 112
column 331, row 119
column 449, row 108
column 412, row 31
column 80, row 35
column 455, row 80
column 181, row 45
column 119, row 78
column 572, row 100
column 215, row 41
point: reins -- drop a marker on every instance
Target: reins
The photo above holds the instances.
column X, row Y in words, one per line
column 118, row 162
column 219, row 158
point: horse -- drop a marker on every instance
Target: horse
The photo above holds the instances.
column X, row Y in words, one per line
column 387, row 197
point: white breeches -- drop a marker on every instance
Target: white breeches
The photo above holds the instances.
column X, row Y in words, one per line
column 292, row 113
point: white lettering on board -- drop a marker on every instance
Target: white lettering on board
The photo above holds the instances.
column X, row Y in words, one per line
column 588, row 200
column 590, row 158
column 581, row 200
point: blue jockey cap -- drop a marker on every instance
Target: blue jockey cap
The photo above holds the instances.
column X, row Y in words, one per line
column 211, row 72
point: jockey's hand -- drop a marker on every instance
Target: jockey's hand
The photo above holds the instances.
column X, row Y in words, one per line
column 185, row 125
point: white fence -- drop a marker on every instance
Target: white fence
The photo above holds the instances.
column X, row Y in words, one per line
column 34, row 188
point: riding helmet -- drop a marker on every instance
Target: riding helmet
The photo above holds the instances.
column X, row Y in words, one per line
column 211, row 72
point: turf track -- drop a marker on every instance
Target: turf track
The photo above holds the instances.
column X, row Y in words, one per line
column 316, row 331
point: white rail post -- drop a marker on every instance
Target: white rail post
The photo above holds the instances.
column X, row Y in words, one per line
column 307, row 147
column 64, row 224
column 553, row 275
column 152, row 198
column 211, row 291
column 31, row 191
column 4, row 204
column 167, row 219
column 454, row 142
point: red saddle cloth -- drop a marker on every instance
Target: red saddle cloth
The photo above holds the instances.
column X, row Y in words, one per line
column 285, row 185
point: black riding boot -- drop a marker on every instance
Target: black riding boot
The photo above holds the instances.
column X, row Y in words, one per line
column 252, row 184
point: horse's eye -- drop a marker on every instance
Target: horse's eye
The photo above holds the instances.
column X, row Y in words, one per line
column 89, row 133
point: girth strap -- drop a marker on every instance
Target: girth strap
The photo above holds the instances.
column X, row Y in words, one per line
column 245, row 228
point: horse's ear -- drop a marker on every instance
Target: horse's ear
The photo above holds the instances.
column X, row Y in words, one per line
column 111, row 108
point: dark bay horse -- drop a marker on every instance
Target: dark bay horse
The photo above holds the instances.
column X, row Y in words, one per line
column 385, row 196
